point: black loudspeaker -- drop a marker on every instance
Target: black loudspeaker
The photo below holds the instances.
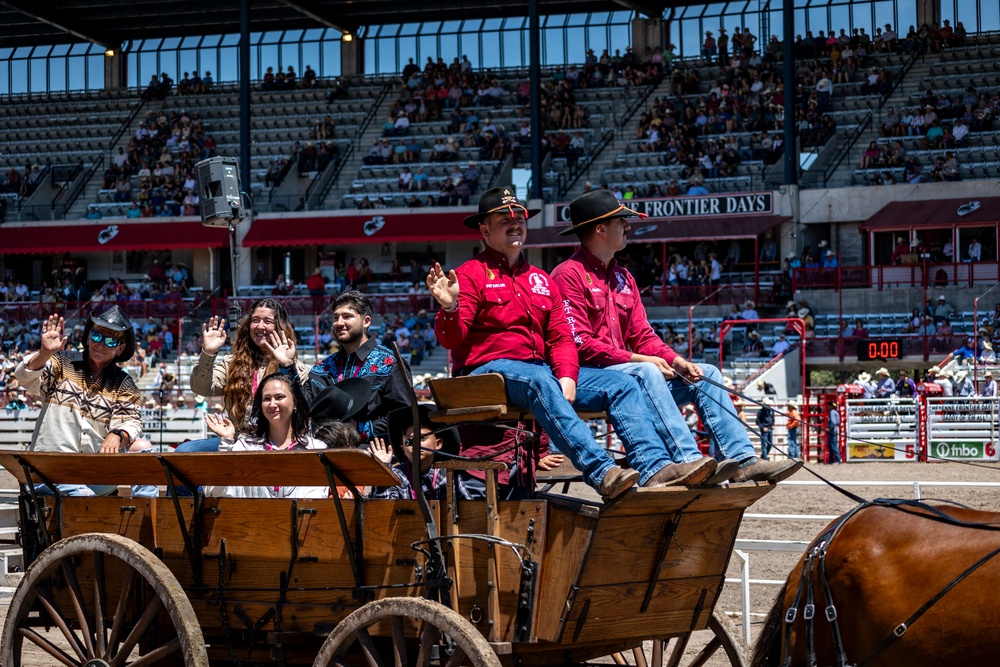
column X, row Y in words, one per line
column 220, row 191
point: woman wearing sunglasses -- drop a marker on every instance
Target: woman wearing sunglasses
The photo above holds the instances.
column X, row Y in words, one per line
column 89, row 404
column 264, row 342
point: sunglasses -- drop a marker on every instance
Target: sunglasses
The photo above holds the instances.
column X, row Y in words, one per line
column 423, row 436
column 109, row 341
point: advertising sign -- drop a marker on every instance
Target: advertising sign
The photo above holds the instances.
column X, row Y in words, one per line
column 889, row 451
column 966, row 450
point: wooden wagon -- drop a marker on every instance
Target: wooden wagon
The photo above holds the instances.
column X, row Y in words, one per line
column 195, row 581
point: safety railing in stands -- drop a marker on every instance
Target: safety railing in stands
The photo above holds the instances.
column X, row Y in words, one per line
column 59, row 210
column 125, row 126
column 576, row 170
column 846, row 147
column 25, row 311
column 382, row 304
column 325, row 183
column 897, row 79
column 927, row 275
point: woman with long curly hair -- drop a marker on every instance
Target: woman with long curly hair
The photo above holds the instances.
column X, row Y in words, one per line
column 263, row 343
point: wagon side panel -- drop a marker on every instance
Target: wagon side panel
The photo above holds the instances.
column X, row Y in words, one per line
column 569, row 530
column 489, row 599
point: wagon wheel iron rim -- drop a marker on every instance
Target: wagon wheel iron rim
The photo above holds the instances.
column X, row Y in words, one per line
column 436, row 624
column 95, row 628
column 725, row 637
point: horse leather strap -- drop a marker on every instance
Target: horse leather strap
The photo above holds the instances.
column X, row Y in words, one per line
column 901, row 629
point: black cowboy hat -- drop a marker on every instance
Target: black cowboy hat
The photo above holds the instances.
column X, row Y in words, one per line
column 113, row 319
column 341, row 401
column 596, row 206
column 401, row 419
column 498, row 199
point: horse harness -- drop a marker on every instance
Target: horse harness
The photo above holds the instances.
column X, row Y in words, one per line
column 815, row 561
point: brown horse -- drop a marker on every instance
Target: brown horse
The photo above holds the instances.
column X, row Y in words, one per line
column 909, row 584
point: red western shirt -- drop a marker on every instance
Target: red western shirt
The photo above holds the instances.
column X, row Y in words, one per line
column 507, row 313
column 606, row 315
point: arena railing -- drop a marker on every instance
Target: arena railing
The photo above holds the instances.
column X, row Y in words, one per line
column 927, row 275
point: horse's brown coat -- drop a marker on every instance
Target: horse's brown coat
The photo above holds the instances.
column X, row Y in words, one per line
column 882, row 567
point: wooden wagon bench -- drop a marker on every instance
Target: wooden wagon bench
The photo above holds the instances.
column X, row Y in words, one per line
column 551, row 580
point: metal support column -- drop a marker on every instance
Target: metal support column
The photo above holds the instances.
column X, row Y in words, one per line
column 534, row 63
column 788, row 60
column 244, row 97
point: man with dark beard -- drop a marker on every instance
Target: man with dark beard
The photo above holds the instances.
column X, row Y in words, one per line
column 362, row 356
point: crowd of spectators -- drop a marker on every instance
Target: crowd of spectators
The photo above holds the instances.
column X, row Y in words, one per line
column 288, row 80
column 161, row 156
column 22, row 183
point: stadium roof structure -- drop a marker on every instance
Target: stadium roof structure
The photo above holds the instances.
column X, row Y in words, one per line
column 111, row 23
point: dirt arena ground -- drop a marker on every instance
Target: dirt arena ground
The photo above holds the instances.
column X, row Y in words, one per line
column 790, row 499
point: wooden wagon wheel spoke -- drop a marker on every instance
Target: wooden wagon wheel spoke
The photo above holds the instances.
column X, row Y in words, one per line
column 368, row 647
column 157, row 654
column 659, row 647
column 678, row 653
column 704, row 654
column 428, row 638
column 79, row 604
column 433, row 620
column 100, row 630
column 47, row 646
column 138, row 576
column 119, row 619
column 398, row 643
column 122, row 652
column 640, row 656
column 456, row 658
column 44, row 595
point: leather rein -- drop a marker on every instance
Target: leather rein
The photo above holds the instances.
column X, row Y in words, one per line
column 815, row 560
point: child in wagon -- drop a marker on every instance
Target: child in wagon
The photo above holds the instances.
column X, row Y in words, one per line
column 433, row 481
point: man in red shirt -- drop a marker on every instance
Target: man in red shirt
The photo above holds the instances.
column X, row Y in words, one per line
column 611, row 331
column 501, row 315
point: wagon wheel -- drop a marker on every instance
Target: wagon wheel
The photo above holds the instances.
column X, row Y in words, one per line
column 105, row 594
column 724, row 636
column 445, row 638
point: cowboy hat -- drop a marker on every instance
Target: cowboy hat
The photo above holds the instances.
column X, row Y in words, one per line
column 593, row 207
column 114, row 319
column 749, row 305
column 934, row 369
column 988, row 374
column 961, row 375
column 400, row 419
column 882, row 371
column 802, row 312
column 727, row 381
column 341, row 401
column 864, row 377
column 495, row 200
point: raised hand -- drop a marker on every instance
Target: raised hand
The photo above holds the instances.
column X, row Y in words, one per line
column 443, row 287
column 213, row 335
column 381, row 450
column 221, row 426
column 52, row 338
column 281, row 347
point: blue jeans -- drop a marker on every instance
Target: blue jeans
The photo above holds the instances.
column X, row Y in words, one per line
column 834, row 450
column 532, row 386
column 793, row 443
column 766, row 441
column 712, row 402
column 76, row 490
column 206, row 445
